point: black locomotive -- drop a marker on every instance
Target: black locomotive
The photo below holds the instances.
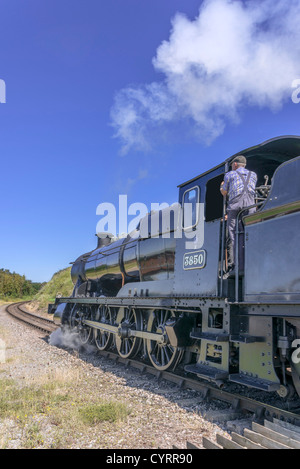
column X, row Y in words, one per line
column 162, row 293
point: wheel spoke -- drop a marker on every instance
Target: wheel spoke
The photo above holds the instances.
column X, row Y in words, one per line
column 103, row 339
column 78, row 314
column 161, row 354
column 128, row 319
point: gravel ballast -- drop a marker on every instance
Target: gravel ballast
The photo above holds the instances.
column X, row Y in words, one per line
column 159, row 414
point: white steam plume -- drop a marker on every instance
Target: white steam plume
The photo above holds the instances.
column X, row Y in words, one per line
column 233, row 54
column 69, row 340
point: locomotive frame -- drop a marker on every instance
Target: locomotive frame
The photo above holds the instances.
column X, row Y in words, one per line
column 138, row 296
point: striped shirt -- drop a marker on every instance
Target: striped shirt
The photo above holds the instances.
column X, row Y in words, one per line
column 233, row 183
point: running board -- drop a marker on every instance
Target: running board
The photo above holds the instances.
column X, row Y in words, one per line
column 213, row 337
column 246, row 339
column 207, row 372
column 262, row 384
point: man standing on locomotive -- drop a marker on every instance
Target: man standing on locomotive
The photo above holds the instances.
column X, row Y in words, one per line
column 239, row 185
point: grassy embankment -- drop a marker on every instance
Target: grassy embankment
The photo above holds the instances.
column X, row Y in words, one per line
column 59, row 285
column 7, row 300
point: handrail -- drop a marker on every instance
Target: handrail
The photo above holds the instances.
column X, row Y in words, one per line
column 236, row 254
column 223, row 238
column 223, row 247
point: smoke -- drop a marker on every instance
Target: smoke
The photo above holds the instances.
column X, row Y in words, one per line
column 69, row 340
column 234, row 54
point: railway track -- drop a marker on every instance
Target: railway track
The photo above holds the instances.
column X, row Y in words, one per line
column 263, row 413
column 18, row 311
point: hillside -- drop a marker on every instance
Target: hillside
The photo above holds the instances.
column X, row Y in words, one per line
column 14, row 287
column 60, row 284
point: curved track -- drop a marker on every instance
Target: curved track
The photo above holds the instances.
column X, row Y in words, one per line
column 16, row 310
column 240, row 404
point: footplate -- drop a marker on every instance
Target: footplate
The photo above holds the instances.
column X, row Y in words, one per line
column 262, row 384
column 207, row 372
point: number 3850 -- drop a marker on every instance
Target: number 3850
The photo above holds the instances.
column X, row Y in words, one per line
column 194, row 260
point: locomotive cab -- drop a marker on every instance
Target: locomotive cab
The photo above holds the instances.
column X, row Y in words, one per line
column 250, row 334
column 207, row 280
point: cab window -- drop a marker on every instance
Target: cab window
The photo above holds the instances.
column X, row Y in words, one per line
column 190, row 206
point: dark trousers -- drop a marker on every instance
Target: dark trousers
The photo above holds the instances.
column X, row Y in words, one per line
column 231, row 240
column 234, row 206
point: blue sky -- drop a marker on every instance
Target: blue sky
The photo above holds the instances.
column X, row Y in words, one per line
column 74, row 71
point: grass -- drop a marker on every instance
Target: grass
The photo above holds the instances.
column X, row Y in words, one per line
column 60, row 284
column 92, row 414
column 21, row 403
column 5, row 300
column 55, row 403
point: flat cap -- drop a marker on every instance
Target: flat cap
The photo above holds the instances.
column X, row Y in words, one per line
column 239, row 159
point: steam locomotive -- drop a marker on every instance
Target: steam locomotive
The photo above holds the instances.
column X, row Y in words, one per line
column 163, row 294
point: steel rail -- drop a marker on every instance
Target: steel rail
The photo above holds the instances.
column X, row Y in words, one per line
column 208, row 391
column 238, row 402
column 39, row 322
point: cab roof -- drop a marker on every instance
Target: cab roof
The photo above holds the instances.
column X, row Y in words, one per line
column 270, row 153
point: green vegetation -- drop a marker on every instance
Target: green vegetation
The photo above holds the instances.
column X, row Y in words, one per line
column 21, row 403
column 14, row 286
column 60, row 284
column 59, row 404
column 106, row 411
